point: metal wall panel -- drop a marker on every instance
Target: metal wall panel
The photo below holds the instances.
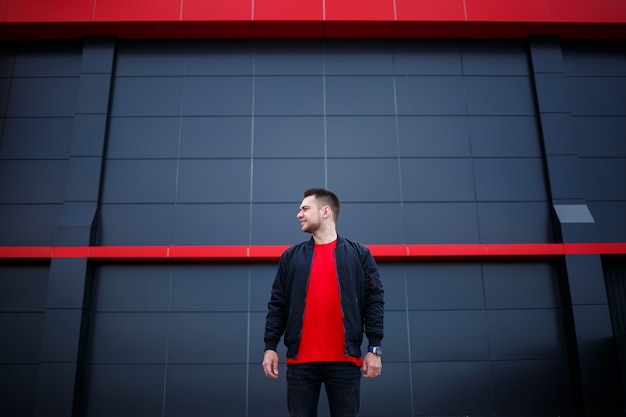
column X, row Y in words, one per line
column 38, row 102
column 22, row 301
column 213, row 142
column 453, row 320
column 360, row 155
column 596, row 80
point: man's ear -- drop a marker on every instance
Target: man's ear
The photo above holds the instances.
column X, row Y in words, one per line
column 328, row 212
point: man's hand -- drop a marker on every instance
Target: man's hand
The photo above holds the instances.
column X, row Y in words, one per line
column 372, row 365
column 270, row 364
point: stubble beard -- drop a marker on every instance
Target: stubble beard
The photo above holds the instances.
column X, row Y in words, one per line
column 310, row 227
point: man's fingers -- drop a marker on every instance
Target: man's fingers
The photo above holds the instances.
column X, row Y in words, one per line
column 371, row 372
column 270, row 364
column 271, row 371
column 268, row 370
column 372, row 366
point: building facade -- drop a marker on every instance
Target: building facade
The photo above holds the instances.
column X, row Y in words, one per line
column 153, row 157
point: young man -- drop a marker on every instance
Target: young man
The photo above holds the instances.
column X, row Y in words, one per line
column 326, row 293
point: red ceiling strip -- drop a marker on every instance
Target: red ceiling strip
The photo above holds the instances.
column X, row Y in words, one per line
column 400, row 252
column 196, row 11
column 37, row 19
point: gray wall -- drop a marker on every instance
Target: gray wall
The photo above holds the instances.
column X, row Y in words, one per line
column 212, row 143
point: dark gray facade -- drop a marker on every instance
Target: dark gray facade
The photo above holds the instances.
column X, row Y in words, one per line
column 126, row 143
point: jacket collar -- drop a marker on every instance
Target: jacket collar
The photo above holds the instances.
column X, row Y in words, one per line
column 311, row 242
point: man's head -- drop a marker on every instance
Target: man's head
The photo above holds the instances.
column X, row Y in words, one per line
column 319, row 206
column 325, row 198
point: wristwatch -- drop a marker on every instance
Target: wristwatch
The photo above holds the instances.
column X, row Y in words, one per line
column 377, row 350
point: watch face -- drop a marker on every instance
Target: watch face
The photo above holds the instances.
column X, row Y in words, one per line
column 376, row 350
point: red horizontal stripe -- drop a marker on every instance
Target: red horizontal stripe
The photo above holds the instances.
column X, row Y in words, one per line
column 399, row 252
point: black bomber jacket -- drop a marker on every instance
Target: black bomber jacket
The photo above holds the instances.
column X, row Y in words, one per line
column 360, row 290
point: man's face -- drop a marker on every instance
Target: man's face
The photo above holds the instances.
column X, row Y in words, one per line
column 310, row 215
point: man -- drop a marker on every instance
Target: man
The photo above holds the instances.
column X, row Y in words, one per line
column 326, row 293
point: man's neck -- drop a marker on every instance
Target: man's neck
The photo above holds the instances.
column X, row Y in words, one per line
column 322, row 237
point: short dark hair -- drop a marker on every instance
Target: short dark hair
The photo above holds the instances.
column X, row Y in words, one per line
column 328, row 198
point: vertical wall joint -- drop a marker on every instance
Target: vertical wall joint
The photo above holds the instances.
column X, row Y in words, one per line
column 584, row 297
column 67, row 300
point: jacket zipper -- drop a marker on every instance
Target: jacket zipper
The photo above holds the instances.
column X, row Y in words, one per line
column 343, row 316
column 306, row 290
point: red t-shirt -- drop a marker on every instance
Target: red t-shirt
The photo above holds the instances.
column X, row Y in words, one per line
column 323, row 337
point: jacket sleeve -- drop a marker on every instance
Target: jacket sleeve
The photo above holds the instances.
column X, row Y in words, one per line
column 374, row 299
column 276, row 319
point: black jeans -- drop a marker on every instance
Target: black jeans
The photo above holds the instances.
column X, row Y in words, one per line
column 342, row 381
